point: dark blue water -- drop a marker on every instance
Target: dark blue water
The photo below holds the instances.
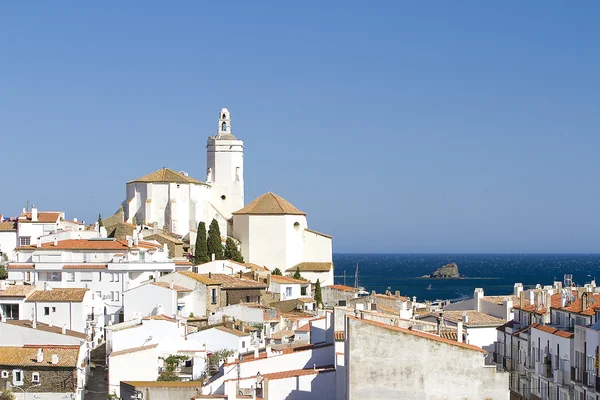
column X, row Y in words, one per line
column 495, row 273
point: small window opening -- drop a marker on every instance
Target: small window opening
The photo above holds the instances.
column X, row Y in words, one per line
column 223, row 197
column 296, row 225
column 223, row 126
column 224, row 116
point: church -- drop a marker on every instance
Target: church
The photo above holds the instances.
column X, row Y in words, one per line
column 271, row 231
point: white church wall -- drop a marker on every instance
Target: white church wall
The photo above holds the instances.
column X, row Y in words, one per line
column 267, row 241
column 294, row 243
column 317, row 248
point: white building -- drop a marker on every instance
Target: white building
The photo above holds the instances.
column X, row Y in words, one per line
column 8, row 239
column 275, row 234
column 156, row 298
column 12, row 301
column 289, row 288
column 107, row 267
column 177, row 202
column 220, row 338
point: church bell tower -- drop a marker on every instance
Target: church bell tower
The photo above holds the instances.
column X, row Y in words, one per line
column 225, row 167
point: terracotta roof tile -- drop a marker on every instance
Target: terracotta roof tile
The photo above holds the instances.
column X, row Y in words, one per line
column 15, row 356
column 343, row 288
column 286, row 333
column 17, row 291
column 287, row 279
column 44, row 217
column 553, row 331
column 202, row 278
column 269, row 204
column 577, row 305
column 91, row 244
column 21, row 266
column 159, row 317
column 132, row 350
column 304, row 328
column 474, row 318
column 539, row 309
column 163, row 383
column 312, row 267
column 45, row 327
column 419, row 334
column 298, row 372
column 86, row 266
column 8, row 226
column 234, row 282
column 167, row 285
column 74, row 295
column 233, row 331
column 166, row 175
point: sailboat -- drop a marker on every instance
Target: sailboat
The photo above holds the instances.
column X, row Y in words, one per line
column 361, row 290
column 428, row 287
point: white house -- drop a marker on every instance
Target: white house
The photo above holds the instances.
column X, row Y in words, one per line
column 12, row 301
column 177, row 202
column 313, row 271
column 220, row 337
column 289, row 288
column 155, row 298
column 107, row 267
column 275, row 234
column 8, row 239
column 121, row 366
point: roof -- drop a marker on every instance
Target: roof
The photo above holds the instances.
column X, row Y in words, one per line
column 233, row 331
column 298, row 372
column 539, row 308
column 74, row 295
column 164, row 237
column 251, row 266
column 305, row 299
column 163, row 383
column 26, row 356
column 474, row 318
column 318, row 233
column 282, row 334
column 342, row 287
column 166, row 175
column 419, row 334
column 132, row 350
column 391, row 296
column 91, row 244
column 45, row 327
column 553, row 331
column 159, row 317
column 44, row 217
column 202, row 278
column 312, row 267
column 269, row 204
column 500, row 299
column 234, row 282
column 304, row 328
column 287, row 279
column 167, row 285
column 577, row 305
column 86, row 266
column 21, row 266
column 17, row 291
column 8, row 226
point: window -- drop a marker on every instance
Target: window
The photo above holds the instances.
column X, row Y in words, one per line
column 99, row 276
column 116, row 277
column 142, row 256
column 116, row 296
column 214, row 296
column 224, row 116
column 46, row 310
column 112, row 295
column 288, row 291
column 25, row 240
column 70, row 276
column 243, row 344
column 35, row 377
column 223, row 127
column 5, row 374
column 53, row 309
column 112, row 276
column 303, row 291
column 85, row 276
column 17, row 377
column 10, row 311
column 53, row 276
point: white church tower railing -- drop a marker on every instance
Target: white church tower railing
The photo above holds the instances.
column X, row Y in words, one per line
column 225, row 168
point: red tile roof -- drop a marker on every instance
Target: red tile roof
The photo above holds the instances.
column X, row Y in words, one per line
column 553, row 331
column 44, row 217
column 537, row 308
column 86, row 266
column 45, row 327
column 17, row 291
column 176, row 288
column 342, row 287
column 287, row 279
column 21, row 266
column 90, row 244
column 58, row 295
column 577, row 305
column 133, row 350
column 420, row 334
column 298, row 372
column 304, row 328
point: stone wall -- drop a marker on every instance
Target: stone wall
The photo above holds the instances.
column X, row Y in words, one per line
column 52, row 379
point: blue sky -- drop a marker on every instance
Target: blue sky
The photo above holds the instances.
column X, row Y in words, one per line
column 397, row 126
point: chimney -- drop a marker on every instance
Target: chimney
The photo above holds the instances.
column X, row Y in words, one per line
column 55, row 242
column 2, row 286
column 64, row 329
column 459, row 332
column 522, row 299
column 213, row 258
column 397, row 293
column 171, row 285
column 508, row 306
column 74, row 219
column 269, row 351
column 256, row 352
column 240, row 274
column 136, row 238
column 34, row 323
column 414, row 299
column 439, row 324
column 548, row 304
column 584, row 301
column 40, row 356
column 209, row 274
column 477, row 297
column 50, row 324
column 373, row 293
column 518, row 288
column 465, row 318
column 129, row 241
column 38, row 242
column 34, row 214
column 54, row 359
column 531, row 297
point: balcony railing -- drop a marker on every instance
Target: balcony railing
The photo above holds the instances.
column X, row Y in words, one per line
column 575, row 374
column 589, row 379
column 179, row 370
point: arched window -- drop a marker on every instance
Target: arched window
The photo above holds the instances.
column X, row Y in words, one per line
column 224, row 116
column 223, row 127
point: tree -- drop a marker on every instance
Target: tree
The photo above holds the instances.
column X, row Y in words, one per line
column 7, row 395
column 201, row 249
column 216, row 359
column 297, row 274
column 232, row 252
column 171, row 363
column 4, row 266
column 276, row 271
column 318, row 295
column 214, row 241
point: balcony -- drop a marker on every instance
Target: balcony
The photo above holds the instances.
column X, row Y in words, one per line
column 575, row 374
column 179, row 370
column 507, row 363
column 589, row 379
column 562, row 378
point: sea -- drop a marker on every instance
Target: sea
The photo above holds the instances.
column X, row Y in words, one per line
column 495, row 273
